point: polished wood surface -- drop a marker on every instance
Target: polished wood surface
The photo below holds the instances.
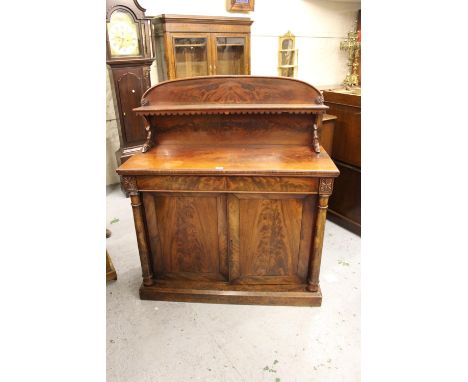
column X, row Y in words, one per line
column 192, row 46
column 230, row 206
column 345, row 204
column 232, row 160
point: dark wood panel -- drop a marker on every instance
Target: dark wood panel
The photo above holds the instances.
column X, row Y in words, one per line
column 233, row 90
column 236, row 129
column 326, row 133
column 271, row 184
column 269, row 244
column 130, row 88
column 184, row 234
column 345, row 203
column 269, row 236
column 182, row 183
column 347, row 132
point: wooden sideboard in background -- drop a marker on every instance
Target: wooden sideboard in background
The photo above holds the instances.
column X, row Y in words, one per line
column 345, row 203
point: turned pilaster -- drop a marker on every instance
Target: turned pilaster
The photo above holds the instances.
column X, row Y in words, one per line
column 130, row 186
column 325, row 190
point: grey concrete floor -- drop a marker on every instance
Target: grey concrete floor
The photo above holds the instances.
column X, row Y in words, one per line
column 170, row 341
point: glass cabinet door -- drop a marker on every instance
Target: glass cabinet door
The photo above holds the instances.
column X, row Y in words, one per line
column 191, row 56
column 230, row 55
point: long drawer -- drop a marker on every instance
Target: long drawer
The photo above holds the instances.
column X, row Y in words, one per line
column 228, row 184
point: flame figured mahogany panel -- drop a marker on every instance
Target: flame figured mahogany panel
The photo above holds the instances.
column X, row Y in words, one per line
column 236, row 129
column 233, row 90
column 186, row 237
column 271, row 246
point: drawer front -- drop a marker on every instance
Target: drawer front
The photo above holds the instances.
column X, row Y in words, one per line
column 229, row 184
column 271, row 184
column 181, row 183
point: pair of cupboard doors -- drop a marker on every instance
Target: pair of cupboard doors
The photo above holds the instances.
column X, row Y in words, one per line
column 239, row 238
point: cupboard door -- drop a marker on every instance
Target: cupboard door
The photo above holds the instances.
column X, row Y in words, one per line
column 187, row 235
column 269, row 238
column 191, row 55
column 230, row 55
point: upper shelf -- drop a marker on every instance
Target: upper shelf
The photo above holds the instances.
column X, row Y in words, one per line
column 231, row 94
column 227, row 108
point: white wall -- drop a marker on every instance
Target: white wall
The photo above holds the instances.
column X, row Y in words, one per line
column 319, row 26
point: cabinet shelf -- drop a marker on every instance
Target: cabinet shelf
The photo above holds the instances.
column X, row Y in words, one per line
column 227, row 109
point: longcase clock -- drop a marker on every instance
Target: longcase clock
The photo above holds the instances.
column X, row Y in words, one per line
column 129, row 57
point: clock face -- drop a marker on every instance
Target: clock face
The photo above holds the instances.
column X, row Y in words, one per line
column 123, row 35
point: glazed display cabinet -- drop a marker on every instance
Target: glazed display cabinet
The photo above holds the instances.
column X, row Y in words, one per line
column 193, row 46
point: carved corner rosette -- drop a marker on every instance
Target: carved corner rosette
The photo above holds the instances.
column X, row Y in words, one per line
column 129, row 184
column 326, row 186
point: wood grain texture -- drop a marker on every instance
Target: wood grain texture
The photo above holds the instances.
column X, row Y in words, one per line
column 232, row 90
column 269, row 236
column 235, row 129
column 271, row 184
column 268, row 241
column 233, row 294
column 182, row 183
column 316, row 255
column 188, row 228
column 228, row 184
column 233, row 237
column 254, row 160
column 143, row 250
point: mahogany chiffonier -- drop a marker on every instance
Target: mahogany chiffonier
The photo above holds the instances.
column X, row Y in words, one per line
column 231, row 190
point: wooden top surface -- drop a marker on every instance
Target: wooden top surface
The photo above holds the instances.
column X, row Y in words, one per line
column 292, row 160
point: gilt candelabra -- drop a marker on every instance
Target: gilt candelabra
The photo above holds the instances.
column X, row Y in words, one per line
column 353, row 45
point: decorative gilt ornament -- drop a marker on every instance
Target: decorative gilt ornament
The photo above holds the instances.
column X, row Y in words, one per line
column 353, row 45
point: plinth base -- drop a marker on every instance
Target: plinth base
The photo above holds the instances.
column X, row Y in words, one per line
column 233, row 294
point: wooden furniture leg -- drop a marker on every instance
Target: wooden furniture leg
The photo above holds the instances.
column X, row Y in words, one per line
column 111, row 274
